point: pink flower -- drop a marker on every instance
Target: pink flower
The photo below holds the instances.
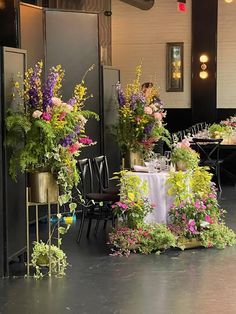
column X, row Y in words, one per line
column 197, row 204
column 185, row 142
column 74, row 147
column 184, row 217
column 37, row 114
column 192, row 226
column 122, row 205
column 56, row 101
column 208, row 219
column 85, row 140
column 148, row 110
column 69, row 107
column 158, row 116
column 211, row 195
column 62, row 115
column 46, row 116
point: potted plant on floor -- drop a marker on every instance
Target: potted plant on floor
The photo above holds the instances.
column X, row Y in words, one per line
column 46, row 134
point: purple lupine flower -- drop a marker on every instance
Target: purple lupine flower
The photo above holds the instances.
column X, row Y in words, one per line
column 137, row 98
column 121, row 95
column 71, row 101
column 49, row 88
column 33, row 91
column 77, row 129
column 148, row 128
column 68, row 140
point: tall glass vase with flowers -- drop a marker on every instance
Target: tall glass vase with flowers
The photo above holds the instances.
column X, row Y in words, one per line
column 45, row 132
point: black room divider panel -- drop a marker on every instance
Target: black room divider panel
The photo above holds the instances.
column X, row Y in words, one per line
column 69, row 38
column 72, row 40
column 110, row 76
column 12, row 197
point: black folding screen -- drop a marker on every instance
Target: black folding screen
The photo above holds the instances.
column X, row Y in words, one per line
column 110, row 77
column 12, row 194
column 69, row 38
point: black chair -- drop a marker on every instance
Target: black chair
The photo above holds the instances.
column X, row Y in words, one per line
column 103, row 176
column 96, row 205
column 209, row 150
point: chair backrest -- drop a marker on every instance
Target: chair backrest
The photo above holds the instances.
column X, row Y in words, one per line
column 208, row 148
column 102, row 172
column 86, row 176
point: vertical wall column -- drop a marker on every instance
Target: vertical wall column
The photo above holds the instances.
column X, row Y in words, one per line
column 204, row 41
column 9, row 23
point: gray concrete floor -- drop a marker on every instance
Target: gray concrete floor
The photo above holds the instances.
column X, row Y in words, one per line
column 194, row 281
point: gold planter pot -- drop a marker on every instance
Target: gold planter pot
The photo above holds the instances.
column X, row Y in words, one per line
column 132, row 159
column 186, row 243
column 43, row 187
column 181, row 165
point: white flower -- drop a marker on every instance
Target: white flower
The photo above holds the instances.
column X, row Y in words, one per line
column 56, row 101
column 37, row 114
column 83, row 120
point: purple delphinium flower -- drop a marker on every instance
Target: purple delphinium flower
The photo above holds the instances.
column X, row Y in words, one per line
column 77, row 129
column 49, row 88
column 71, row 102
column 68, row 140
column 33, row 91
column 148, row 129
column 121, row 95
column 137, row 98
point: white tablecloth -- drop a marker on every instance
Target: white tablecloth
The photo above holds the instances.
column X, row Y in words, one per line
column 158, row 195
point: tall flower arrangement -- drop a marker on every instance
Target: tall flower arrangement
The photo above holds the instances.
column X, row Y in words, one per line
column 141, row 116
column 46, row 133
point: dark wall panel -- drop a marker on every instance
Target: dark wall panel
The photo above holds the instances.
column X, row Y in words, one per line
column 99, row 6
column 178, row 119
column 12, row 206
column 31, row 29
column 9, row 23
column 72, row 41
column 110, row 116
column 225, row 113
column 204, row 40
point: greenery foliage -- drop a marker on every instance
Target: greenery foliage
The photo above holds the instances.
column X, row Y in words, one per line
column 219, row 130
column 145, row 239
column 42, row 256
column 219, row 236
column 133, row 205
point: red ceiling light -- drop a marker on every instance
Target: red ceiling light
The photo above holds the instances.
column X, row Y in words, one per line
column 181, row 5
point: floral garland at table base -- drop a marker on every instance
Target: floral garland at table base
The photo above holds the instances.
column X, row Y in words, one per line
column 196, row 218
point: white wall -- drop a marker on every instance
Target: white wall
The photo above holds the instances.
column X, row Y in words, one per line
column 226, row 58
column 142, row 35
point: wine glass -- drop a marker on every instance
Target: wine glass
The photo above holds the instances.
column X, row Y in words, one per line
column 167, row 155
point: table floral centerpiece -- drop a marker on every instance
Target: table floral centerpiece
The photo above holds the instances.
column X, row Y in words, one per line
column 140, row 123
column 183, row 156
column 221, row 130
column 46, row 133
